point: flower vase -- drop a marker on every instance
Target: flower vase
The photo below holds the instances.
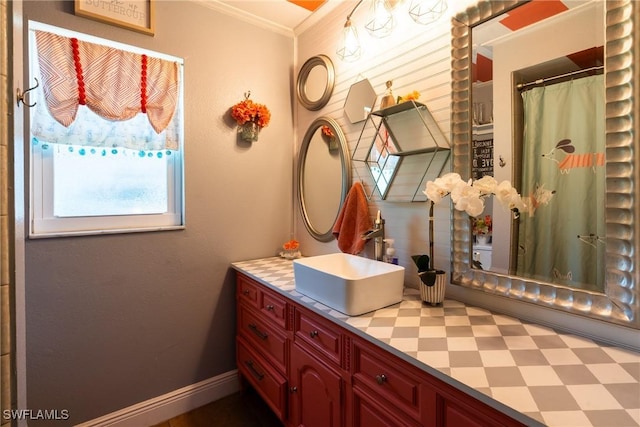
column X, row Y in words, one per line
column 433, row 285
column 290, row 254
column 249, row 131
column 482, row 239
column 331, row 142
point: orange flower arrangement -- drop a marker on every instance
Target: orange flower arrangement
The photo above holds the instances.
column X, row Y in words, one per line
column 326, row 130
column 409, row 97
column 249, row 111
column 482, row 226
column 291, row 245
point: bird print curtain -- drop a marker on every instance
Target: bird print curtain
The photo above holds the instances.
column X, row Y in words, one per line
column 564, row 151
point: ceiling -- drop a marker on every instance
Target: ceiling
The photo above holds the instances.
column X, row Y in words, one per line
column 289, row 16
column 282, row 15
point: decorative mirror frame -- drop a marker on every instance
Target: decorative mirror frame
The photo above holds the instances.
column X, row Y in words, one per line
column 345, row 161
column 620, row 303
column 354, row 100
column 316, row 61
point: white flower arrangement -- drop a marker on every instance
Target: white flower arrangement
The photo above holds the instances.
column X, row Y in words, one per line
column 468, row 196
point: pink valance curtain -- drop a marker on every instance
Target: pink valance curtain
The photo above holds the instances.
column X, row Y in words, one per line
column 114, row 84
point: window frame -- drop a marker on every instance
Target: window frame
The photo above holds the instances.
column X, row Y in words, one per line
column 42, row 222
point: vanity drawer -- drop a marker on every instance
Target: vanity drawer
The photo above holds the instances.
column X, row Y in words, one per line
column 274, row 307
column 267, row 381
column 369, row 411
column 390, row 381
column 264, row 336
column 321, row 335
column 247, row 290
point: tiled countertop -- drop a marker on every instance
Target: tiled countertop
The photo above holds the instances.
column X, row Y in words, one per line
column 551, row 378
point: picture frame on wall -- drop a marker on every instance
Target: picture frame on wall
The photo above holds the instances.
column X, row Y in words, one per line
column 136, row 15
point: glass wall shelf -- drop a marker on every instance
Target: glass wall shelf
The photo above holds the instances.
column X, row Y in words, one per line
column 400, row 148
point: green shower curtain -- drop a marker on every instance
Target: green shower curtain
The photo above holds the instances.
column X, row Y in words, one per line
column 563, row 150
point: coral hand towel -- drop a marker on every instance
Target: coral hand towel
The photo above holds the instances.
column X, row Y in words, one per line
column 352, row 221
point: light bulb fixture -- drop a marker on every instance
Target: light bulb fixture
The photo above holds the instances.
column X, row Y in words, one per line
column 349, row 48
column 382, row 23
column 427, row 11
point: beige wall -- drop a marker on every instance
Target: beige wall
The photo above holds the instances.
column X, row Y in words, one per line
column 115, row 320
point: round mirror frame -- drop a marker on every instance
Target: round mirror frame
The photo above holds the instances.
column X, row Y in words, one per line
column 620, row 304
column 316, row 61
column 345, row 160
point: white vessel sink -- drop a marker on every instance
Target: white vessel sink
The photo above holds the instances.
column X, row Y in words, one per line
column 347, row 283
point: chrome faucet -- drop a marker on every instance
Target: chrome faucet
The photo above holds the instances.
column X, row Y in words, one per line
column 377, row 233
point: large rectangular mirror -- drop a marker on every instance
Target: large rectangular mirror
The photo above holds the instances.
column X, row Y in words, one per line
column 552, row 101
column 605, row 287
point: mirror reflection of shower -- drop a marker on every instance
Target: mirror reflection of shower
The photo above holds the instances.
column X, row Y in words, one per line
column 531, row 247
column 564, row 150
column 482, row 164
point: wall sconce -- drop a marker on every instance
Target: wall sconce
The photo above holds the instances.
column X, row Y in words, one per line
column 427, row 11
column 421, row 11
column 349, row 48
column 382, row 23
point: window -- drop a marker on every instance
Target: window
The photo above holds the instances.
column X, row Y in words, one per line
column 91, row 174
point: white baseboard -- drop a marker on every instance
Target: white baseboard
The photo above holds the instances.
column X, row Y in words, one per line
column 162, row 408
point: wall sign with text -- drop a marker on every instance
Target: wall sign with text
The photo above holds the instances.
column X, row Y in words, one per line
column 482, row 158
column 137, row 15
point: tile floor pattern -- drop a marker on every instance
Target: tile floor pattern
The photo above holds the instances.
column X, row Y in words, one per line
column 555, row 378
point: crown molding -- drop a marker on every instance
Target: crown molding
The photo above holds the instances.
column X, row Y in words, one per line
column 246, row 16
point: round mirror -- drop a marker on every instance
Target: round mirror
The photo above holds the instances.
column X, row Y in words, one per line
column 324, row 176
column 315, row 82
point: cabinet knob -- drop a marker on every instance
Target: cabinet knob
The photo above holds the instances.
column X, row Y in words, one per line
column 381, row 379
column 270, row 307
column 245, row 291
column 313, row 334
column 293, row 389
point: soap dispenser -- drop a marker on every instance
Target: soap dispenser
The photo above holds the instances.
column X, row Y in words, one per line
column 390, row 256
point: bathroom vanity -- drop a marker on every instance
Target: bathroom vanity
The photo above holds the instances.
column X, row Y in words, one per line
column 312, row 371
column 316, row 366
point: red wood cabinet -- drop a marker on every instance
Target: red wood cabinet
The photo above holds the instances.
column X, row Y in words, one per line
column 316, row 391
column 314, row 373
column 267, row 381
column 369, row 412
column 397, row 388
column 456, row 408
column 454, row 415
column 263, row 343
column 319, row 335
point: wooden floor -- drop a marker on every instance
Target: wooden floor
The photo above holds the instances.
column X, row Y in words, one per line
column 243, row 409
